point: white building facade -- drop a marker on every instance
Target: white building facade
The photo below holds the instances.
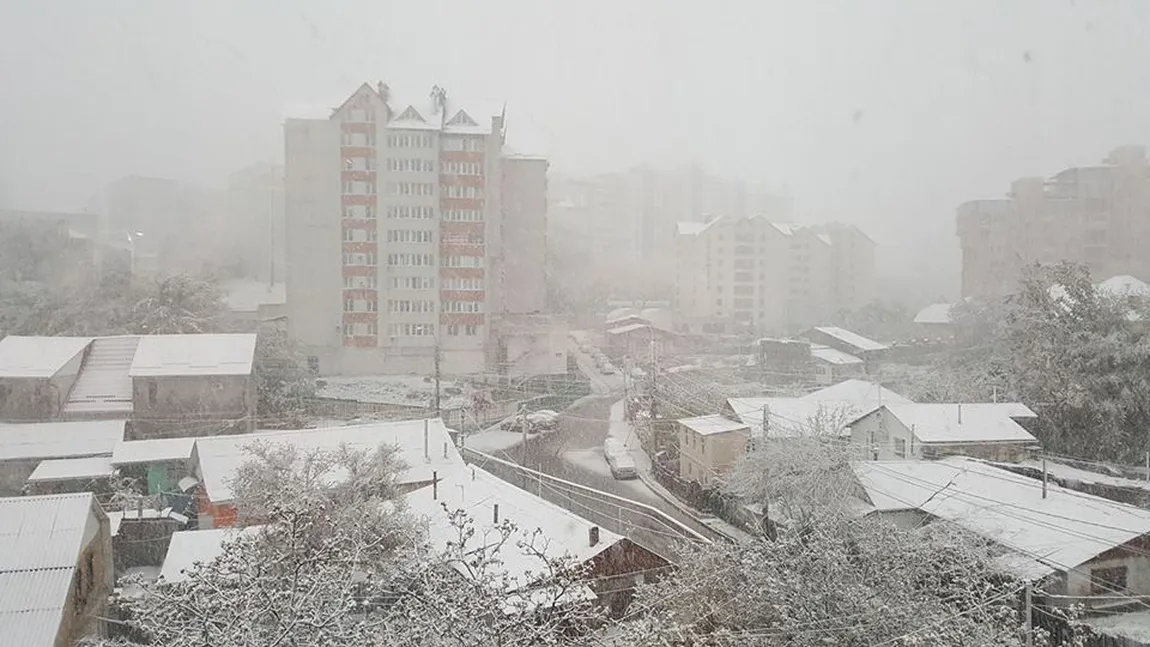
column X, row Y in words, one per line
column 392, row 227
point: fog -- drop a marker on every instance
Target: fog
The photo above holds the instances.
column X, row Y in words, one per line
column 884, row 114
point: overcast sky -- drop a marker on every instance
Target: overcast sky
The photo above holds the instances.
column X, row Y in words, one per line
column 882, row 113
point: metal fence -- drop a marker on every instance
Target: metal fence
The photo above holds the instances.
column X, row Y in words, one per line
column 645, row 525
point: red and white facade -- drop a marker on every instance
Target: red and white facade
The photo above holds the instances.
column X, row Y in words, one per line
column 392, row 222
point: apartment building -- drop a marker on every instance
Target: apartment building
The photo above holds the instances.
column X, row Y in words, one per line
column 620, row 228
column 395, row 234
column 1095, row 215
column 753, row 275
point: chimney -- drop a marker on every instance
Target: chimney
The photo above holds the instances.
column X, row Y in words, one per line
column 495, row 513
column 593, row 535
column 426, row 438
column 435, row 486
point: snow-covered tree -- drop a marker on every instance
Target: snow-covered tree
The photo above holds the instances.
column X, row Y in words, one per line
column 336, row 560
column 283, row 382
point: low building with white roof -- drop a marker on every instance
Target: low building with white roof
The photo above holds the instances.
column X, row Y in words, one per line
column 24, row 446
column 181, row 377
column 55, row 569
column 1075, row 544
column 926, row 431
column 159, row 462
column 36, row 374
column 832, row 365
column 709, row 446
column 613, row 562
column 425, row 446
column 63, row 475
column 189, row 548
column 846, row 341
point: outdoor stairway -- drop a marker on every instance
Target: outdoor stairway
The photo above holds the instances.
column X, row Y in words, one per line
column 103, row 388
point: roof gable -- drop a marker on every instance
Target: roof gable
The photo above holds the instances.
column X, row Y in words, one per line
column 461, row 118
column 410, row 114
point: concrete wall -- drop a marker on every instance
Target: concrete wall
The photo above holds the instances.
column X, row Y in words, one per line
column 91, row 585
column 227, row 397
column 38, row 398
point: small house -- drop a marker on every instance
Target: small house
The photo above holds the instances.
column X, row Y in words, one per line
column 36, row 375
column 425, row 446
column 189, row 377
column 614, row 564
column 55, row 569
column 639, row 341
column 831, row 365
column 929, row 431
column 1080, row 547
column 934, row 322
column 846, row 341
column 160, row 463
column 709, row 446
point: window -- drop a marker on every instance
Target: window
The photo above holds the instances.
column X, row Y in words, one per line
column 411, row 329
column 900, row 447
column 471, row 330
column 1107, row 581
column 453, row 330
column 153, row 392
column 463, row 306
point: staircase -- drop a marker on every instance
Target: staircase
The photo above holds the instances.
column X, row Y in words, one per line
column 103, row 388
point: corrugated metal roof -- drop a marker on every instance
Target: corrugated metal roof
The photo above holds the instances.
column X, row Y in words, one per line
column 833, row 355
column 218, row 458
column 38, row 357
column 59, row 439
column 32, row 605
column 852, row 338
column 70, row 469
column 39, row 532
column 154, row 450
column 177, row 355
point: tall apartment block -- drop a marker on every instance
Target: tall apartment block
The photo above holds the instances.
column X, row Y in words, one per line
column 751, row 274
column 1095, row 215
column 401, row 251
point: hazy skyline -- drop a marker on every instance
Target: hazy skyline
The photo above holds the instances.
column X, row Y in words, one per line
column 885, row 114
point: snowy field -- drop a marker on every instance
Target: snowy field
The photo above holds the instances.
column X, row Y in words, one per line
column 411, row 390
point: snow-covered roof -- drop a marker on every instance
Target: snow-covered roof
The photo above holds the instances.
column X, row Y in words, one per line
column 38, row 357
column 1062, row 531
column 1124, row 285
column 690, row 228
column 561, row 533
column 833, row 355
column 981, row 422
column 1071, row 473
column 789, row 417
column 218, row 458
column 628, row 328
column 189, row 547
column 40, row 542
column 712, row 424
column 70, row 469
column 854, row 339
column 180, row 355
column 866, row 396
column 248, row 296
column 152, row 450
column 935, row 313
column 59, row 439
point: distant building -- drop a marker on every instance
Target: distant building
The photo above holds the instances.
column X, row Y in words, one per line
column 66, row 445
column 831, row 365
column 55, row 569
column 754, row 275
column 409, row 232
column 934, row 321
column 847, row 341
column 1093, row 215
column 709, row 446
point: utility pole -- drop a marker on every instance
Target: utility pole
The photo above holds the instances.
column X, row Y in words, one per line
column 654, row 371
column 438, row 413
column 1044, row 477
column 1027, row 620
column 523, row 430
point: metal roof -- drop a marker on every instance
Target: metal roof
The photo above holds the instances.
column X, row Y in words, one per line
column 852, row 338
column 833, row 355
column 59, row 439
column 40, row 542
column 70, row 469
column 153, row 450
column 181, row 355
column 713, row 424
column 41, row 532
column 218, row 458
column 189, row 547
column 981, row 422
column 38, row 357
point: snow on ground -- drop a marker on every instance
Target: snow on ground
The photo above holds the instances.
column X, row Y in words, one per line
column 412, row 390
column 1134, row 626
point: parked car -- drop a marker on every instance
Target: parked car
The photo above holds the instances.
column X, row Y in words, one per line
column 619, row 460
column 608, row 369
